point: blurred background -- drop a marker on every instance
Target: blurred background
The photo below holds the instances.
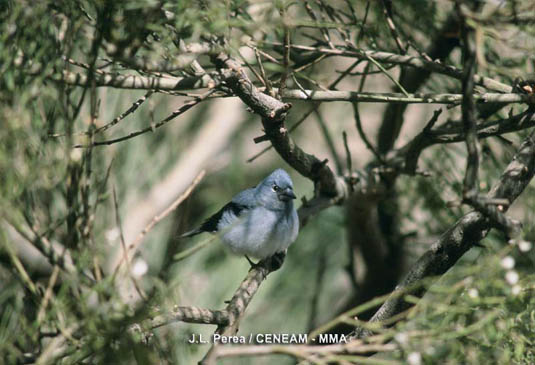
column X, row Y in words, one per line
column 65, row 210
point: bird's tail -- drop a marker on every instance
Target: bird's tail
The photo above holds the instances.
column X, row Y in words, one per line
column 191, row 233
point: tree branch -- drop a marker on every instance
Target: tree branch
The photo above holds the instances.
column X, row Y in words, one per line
column 181, row 110
column 122, row 81
column 468, row 109
column 189, row 315
column 239, row 302
column 439, row 49
column 392, row 98
column 408, row 60
column 273, row 113
column 412, row 150
column 462, row 236
column 308, row 352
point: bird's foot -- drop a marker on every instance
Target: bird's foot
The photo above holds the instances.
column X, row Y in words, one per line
column 272, row 263
column 253, row 265
column 277, row 260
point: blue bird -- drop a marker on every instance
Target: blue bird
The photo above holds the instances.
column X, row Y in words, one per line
column 259, row 222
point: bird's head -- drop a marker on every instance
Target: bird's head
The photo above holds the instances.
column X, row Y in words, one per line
column 276, row 190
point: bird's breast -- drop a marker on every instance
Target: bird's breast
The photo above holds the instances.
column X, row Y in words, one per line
column 259, row 233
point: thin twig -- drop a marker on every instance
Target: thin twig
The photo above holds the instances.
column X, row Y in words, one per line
column 123, row 246
column 419, row 143
column 44, row 246
column 307, row 351
column 387, row 11
column 324, row 31
column 250, row 67
column 265, row 55
column 48, row 294
column 428, row 137
column 263, row 71
column 286, row 53
column 311, row 63
column 357, row 73
column 107, row 126
column 329, row 141
column 19, row 267
column 159, row 217
column 358, row 121
column 361, row 31
column 335, row 17
column 384, row 71
column 345, row 73
column 132, row 109
column 348, row 153
column 190, row 251
column 182, row 109
column 408, row 60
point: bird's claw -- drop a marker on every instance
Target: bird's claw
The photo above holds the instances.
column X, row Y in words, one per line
column 277, row 260
column 273, row 263
column 253, row 265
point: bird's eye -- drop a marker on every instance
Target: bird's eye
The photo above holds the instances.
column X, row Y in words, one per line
column 276, row 188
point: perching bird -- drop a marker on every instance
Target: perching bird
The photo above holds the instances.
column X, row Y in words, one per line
column 258, row 222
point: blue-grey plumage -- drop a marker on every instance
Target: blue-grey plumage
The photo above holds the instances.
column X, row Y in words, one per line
column 258, row 222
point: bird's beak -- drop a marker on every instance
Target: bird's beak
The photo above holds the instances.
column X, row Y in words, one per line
column 287, row 195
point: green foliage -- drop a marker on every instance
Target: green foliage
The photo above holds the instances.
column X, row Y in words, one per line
column 477, row 313
column 64, row 211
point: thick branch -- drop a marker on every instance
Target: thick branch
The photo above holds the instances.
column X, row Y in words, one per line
column 239, row 302
column 273, row 113
column 468, row 109
column 468, row 231
column 190, row 315
column 392, row 98
column 136, row 82
column 198, row 82
column 412, row 79
column 365, row 182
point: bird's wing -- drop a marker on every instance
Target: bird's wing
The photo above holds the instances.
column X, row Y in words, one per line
column 211, row 224
column 239, row 204
column 245, row 198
